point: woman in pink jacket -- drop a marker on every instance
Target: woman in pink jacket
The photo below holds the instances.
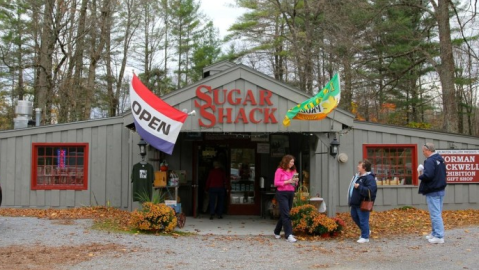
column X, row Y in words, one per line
column 285, row 180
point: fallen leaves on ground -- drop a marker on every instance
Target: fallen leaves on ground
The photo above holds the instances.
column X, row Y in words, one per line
column 119, row 219
column 408, row 221
column 384, row 224
column 40, row 257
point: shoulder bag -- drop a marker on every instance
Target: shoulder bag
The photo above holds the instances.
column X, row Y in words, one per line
column 367, row 205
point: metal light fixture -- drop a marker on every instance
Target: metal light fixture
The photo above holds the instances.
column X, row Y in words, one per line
column 334, row 148
column 142, row 145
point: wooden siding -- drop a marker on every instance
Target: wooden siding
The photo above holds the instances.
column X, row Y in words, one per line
column 114, row 150
column 244, row 78
column 458, row 196
column 108, row 184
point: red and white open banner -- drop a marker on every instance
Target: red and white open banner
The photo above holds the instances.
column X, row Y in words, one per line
column 157, row 122
column 462, row 166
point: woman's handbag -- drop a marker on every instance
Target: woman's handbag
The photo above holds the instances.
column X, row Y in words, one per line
column 367, row 206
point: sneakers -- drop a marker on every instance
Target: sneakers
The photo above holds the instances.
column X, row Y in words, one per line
column 363, row 240
column 435, row 240
column 211, row 217
column 277, row 236
column 291, row 239
column 369, row 234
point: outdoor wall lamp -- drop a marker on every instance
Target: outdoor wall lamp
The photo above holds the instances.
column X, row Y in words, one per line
column 142, row 145
column 334, row 148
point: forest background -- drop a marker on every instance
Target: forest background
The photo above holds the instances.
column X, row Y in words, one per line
column 410, row 63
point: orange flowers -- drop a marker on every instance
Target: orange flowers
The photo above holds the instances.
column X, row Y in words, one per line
column 307, row 219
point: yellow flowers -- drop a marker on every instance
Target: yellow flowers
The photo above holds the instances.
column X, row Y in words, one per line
column 154, row 217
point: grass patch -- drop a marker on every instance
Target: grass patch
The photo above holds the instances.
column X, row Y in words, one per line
column 111, row 225
column 114, row 226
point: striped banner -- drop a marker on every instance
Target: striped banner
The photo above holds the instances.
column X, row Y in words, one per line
column 157, row 122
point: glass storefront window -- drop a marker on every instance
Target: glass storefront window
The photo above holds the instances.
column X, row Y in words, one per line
column 393, row 164
column 242, row 176
column 59, row 166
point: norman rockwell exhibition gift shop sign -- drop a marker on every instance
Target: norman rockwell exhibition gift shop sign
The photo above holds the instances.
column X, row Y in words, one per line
column 462, row 166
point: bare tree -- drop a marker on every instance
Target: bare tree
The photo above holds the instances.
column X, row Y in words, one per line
column 98, row 41
column 446, row 67
column 127, row 26
column 44, row 87
column 71, row 86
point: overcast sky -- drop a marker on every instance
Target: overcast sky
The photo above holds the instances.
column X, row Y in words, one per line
column 221, row 13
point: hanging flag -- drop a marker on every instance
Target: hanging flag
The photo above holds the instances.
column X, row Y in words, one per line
column 317, row 107
column 157, row 122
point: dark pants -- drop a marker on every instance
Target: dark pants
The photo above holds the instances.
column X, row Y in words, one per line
column 217, row 193
column 285, row 203
column 361, row 219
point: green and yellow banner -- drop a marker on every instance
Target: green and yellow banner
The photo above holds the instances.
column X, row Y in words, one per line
column 319, row 106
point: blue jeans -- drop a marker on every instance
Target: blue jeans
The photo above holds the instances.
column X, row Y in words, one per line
column 285, row 203
column 434, row 204
column 361, row 219
column 217, row 193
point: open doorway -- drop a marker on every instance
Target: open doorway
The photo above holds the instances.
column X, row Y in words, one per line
column 240, row 164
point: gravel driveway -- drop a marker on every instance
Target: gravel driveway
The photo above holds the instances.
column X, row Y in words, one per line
column 32, row 243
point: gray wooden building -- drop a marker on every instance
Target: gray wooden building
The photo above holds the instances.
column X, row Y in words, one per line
column 238, row 121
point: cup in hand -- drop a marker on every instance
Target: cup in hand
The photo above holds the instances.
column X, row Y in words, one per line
column 420, row 168
column 295, row 178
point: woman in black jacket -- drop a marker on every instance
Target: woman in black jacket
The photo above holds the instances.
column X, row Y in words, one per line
column 362, row 186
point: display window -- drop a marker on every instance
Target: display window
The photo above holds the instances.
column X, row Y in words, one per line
column 393, row 164
column 59, row 166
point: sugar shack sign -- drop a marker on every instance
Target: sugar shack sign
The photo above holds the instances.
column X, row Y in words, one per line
column 216, row 106
column 462, row 166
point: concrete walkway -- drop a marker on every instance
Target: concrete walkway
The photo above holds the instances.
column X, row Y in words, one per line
column 229, row 225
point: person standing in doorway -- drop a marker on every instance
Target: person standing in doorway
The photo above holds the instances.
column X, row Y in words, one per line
column 216, row 188
column 433, row 186
column 362, row 186
column 285, row 179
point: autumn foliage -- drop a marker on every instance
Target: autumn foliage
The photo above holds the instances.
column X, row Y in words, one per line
column 154, row 217
column 384, row 224
column 408, row 220
column 306, row 219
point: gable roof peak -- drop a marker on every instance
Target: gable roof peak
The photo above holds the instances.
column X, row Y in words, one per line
column 217, row 68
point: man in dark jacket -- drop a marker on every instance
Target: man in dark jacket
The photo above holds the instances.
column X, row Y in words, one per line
column 362, row 186
column 433, row 185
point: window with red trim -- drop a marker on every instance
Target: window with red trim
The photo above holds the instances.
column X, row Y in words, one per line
column 60, row 166
column 393, row 164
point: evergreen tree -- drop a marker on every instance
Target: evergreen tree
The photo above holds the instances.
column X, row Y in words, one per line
column 206, row 52
column 185, row 23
